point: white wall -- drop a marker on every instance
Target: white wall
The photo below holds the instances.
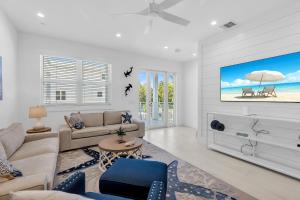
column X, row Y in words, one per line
column 270, row 35
column 8, row 51
column 32, row 46
column 190, row 94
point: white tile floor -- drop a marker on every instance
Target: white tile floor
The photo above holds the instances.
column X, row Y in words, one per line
column 259, row 182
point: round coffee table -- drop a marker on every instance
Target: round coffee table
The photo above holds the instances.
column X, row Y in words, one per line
column 110, row 149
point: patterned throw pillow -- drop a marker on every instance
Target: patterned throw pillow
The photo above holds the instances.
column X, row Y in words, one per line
column 75, row 121
column 126, row 118
column 7, row 171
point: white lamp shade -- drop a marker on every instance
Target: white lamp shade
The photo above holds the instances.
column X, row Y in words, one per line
column 37, row 112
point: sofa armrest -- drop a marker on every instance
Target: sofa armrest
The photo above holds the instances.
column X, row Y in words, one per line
column 65, row 137
column 75, row 184
column 30, row 182
column 157, row 191
column 39, row 136
column 141, row 126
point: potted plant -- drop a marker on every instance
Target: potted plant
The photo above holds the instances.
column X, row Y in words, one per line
column 121, row 133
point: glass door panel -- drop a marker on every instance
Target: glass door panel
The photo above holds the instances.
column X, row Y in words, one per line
column 171, row 99
column 143, row 95
column 157, row 100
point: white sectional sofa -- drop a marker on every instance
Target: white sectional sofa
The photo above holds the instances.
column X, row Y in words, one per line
column 35, row 155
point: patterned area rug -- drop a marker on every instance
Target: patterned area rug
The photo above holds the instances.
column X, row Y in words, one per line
column 185, row 181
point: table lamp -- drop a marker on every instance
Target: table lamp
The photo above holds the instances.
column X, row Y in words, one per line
column 38, row 112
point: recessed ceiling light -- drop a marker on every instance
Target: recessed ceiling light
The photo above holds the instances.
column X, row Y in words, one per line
column 166, row 47
column 194, row 54
column 213, row 23
column 41, row 15
column 118, row 35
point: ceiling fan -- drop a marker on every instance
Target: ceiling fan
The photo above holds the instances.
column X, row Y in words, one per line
column 158, row 10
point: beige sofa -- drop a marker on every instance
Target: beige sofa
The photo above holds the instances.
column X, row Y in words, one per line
column 35, row 155
column 97, row 127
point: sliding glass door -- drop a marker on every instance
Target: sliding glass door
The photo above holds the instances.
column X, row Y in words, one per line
column 157, row 99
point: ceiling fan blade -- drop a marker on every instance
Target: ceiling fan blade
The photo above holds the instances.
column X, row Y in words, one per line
column 149, row 26
column 173, row 18
column 168, row 3
column 125, row 13
column 144, row 12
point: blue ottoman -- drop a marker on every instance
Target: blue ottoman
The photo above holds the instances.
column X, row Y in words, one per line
column 132, row 178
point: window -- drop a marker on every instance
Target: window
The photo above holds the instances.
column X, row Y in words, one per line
column 61, row 95
column 100, row 94
column 73, row 81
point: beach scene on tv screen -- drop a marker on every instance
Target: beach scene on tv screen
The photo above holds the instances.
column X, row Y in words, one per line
column 275, row 79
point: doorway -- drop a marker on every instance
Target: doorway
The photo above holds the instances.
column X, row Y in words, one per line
column 157, row 98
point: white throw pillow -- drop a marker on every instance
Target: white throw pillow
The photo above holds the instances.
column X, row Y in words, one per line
column 12, row 138
column 45, row 195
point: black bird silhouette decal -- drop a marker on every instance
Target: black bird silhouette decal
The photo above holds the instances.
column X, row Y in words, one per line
column 127, row 89
column 128, row 72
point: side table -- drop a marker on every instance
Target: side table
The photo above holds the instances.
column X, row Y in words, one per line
column 32, row 131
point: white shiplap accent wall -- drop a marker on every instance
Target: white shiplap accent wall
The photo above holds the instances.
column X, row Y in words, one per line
column 190, row 94
column 274, row 34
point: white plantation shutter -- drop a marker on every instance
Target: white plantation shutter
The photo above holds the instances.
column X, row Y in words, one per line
column 96, row 82
column 59, row 80
column 72, row 81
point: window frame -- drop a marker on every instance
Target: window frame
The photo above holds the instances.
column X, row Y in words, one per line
column 79, row 83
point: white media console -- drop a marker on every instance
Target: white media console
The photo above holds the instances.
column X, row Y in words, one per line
column 269, row 142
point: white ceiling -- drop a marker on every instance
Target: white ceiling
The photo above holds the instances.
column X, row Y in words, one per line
column 92, row 22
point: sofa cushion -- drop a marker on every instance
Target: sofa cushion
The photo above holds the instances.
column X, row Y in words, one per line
column 37, row 147
column 92, row 119
column 12, row 138
column 47, row 195
column 112, row 117
column 32, row 182
column 126, row 127
column 2, row 151
column 44, row 163
column 89, row 132
column 131, row 178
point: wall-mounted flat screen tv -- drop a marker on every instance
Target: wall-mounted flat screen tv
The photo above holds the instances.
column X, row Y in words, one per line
column 275, row 79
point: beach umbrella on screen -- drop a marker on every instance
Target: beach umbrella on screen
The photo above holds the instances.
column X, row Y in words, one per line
column 265, row 76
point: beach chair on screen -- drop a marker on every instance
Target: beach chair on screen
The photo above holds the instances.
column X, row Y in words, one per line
column 248, row 91
column 268, row 91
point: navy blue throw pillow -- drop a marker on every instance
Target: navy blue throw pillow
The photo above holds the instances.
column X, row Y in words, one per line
column 126, row 118
column 79, row 125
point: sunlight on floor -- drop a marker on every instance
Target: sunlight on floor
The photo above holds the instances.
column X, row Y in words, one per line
column 259, row 182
